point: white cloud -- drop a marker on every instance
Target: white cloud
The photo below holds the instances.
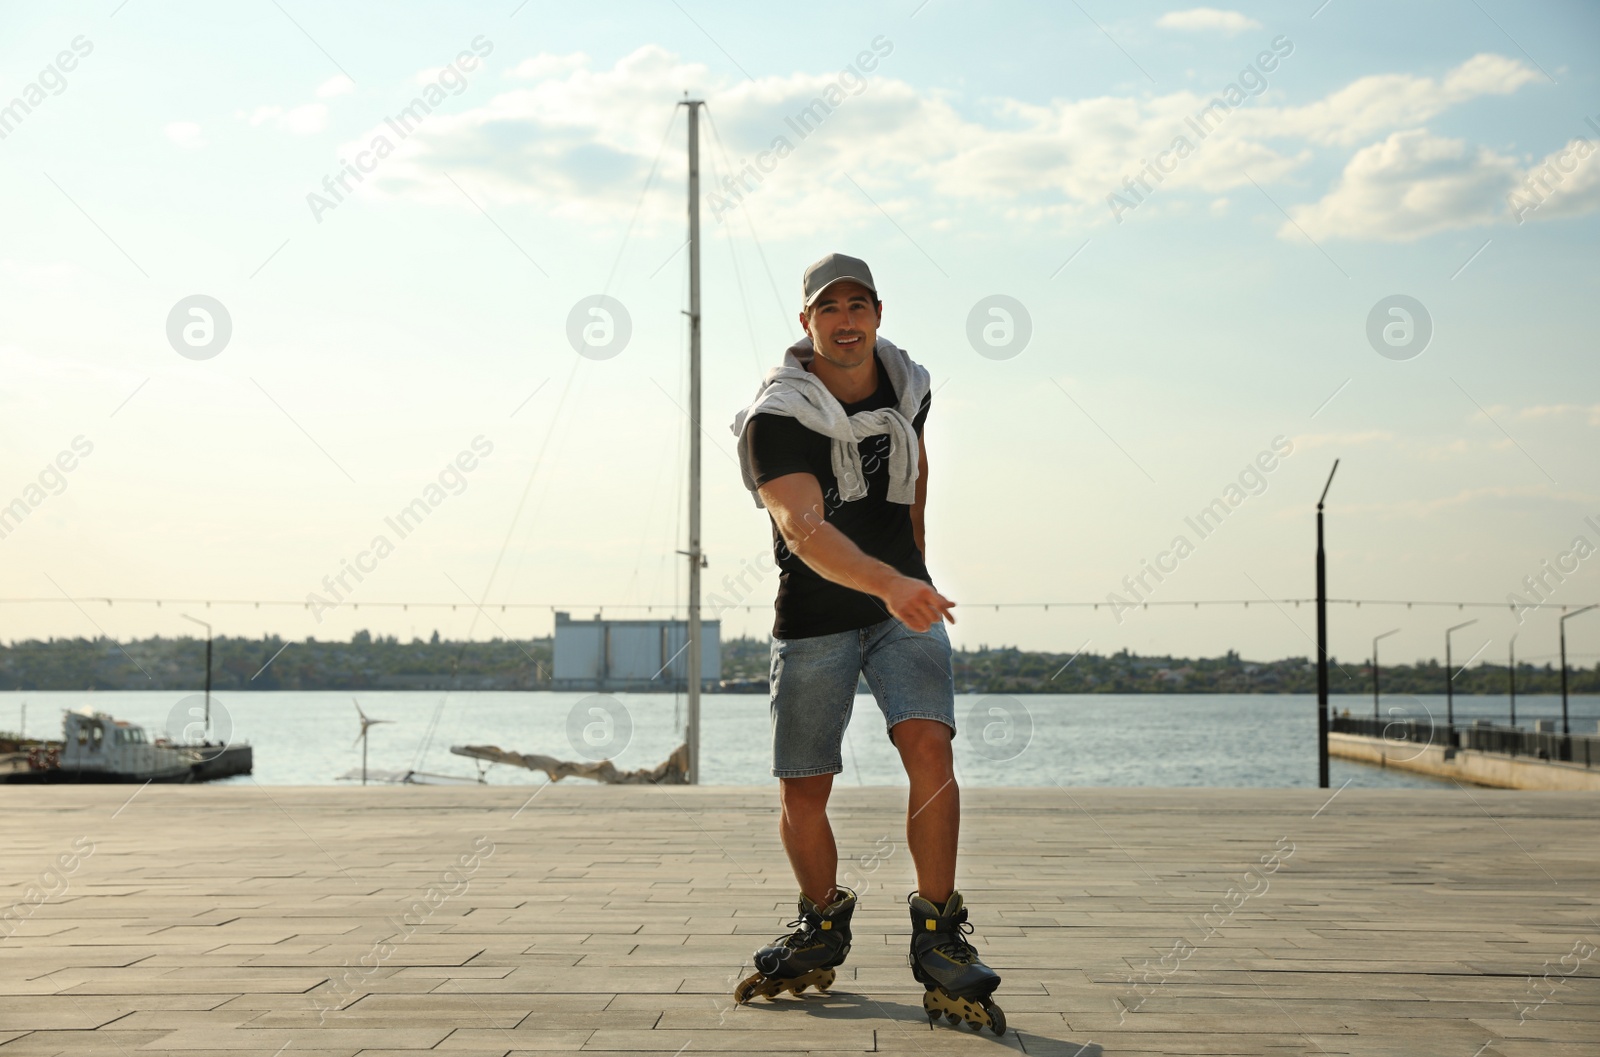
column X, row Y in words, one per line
column 303, row 120
column 1590, row 412
column 1380, row 102
column 585, row 138
column 579, row 141
column 184, row 133
column 1411, row 185
column 1565, row 183
column 1445, row 451
column 543, row 67
column 1205, row 18
column 307, row 119
column 335, row 86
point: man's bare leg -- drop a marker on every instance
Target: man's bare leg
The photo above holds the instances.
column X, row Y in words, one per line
column 958, row 985
column 933, row 813
column 807, row 836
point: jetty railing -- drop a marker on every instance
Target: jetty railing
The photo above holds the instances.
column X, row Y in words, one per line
column 1480, row 736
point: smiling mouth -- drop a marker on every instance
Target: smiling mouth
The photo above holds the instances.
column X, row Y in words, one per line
column 849, row 342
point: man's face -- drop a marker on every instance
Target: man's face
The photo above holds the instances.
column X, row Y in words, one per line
column 843, row 324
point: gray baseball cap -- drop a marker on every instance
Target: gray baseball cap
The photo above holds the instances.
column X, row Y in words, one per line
column 836, row 268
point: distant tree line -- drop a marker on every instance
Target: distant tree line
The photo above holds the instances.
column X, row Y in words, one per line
column 386, row 663
column 273, row 663
column 1012, row 671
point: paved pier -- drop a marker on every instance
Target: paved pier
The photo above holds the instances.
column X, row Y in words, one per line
column 384, row 921
column 1494, row 769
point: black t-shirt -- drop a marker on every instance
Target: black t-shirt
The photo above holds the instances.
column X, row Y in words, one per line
column 809, row 604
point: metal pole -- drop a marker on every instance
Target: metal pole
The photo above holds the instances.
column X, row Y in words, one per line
column 1566, row 727
column 696, row 560
column 1450, row 679
column 1449, row 686
column 1375, row 642
column 203, row 624
column 1511, row 671
column 1374, row 679
column 1566, row 724
column 1322, row 642
column 208, row 683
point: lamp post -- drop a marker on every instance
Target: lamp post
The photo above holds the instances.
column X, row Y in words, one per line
column 203, row 624
column 1322, row 641
column 1375, row 642
column 1449, row 677
column 1511, row 670
column 1566, row 725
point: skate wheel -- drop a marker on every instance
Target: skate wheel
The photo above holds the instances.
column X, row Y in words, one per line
column 800, row 987
column 825, row 981
column 997, row 1017
column 750, row 986
column 951, row 1017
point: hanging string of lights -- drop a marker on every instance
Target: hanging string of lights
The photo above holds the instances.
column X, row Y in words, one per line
column 1245, row 603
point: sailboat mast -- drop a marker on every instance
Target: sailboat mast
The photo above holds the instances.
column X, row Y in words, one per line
column 695, row 558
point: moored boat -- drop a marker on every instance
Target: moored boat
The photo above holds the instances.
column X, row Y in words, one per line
column 96, row 747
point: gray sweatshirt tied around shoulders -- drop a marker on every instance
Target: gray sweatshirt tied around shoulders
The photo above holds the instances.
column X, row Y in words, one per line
column 796, row 393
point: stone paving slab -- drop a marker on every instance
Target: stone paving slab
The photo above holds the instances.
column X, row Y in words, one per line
column 345, row 921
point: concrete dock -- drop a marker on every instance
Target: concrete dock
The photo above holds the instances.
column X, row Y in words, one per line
column 477, row 921
column 1494, row 769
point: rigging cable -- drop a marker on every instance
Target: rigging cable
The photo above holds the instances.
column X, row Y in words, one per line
column 751, row 223
column 638, row 206
column 738, row 277
column 538, row 461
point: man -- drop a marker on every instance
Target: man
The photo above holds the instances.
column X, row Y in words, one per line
column 832, row 449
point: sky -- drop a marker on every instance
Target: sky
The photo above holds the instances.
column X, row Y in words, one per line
column 274, row 272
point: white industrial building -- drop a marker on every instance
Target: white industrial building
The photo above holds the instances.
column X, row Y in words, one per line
column 640, row 655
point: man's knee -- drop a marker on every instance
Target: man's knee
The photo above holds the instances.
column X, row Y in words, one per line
column 923, row 740
column 805, row 798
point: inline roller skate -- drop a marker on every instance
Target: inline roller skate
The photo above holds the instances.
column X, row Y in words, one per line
column 805, row 957
column 959, row 986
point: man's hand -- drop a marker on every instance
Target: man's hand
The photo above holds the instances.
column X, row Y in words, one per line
column 916, row 604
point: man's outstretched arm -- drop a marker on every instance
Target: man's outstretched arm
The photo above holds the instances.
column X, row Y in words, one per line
column 795, row 502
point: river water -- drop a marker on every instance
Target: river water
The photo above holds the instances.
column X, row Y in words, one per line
column 1223, row 740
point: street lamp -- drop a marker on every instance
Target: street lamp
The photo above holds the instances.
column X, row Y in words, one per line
column 203, row 624
column 1322, row 642
column 1566, row 725
column 1449, row 676
column 1511, row 670
column 1375, row 641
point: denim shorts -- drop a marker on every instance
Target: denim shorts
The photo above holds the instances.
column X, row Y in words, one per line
column 814, row 689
